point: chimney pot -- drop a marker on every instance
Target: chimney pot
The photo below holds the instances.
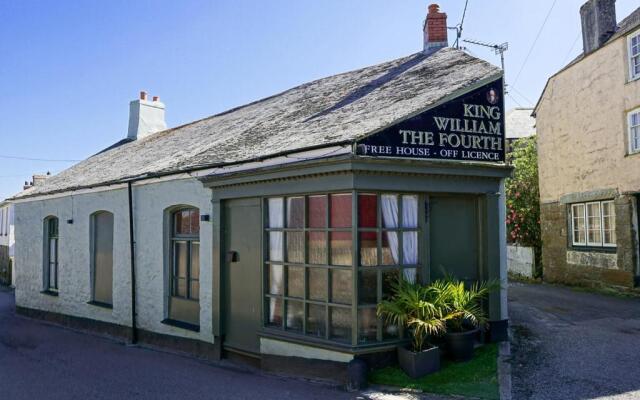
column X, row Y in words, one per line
column 156, row 98
column 143, row 95
column 434, row 9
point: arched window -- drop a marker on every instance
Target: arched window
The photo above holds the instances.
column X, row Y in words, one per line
column 50, row 254
column 185, row 265
column 102, row 258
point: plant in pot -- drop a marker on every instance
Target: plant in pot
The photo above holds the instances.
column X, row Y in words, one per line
column 419, row 309
column 465, row 313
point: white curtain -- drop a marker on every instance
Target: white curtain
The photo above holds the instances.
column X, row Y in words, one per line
column 410, row 239
column 389, row 206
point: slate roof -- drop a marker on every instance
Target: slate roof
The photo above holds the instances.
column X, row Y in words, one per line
column 338, row 109
column 519, row 123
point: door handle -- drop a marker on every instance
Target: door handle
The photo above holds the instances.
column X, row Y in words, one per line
column 232, row 256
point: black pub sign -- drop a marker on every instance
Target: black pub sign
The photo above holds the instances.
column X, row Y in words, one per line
column 469, row 128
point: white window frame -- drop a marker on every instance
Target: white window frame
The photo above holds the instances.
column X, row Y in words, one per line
column 632, row 75
column 585, row 214
column 630, row 126
column 602, row 203
column 573, row 221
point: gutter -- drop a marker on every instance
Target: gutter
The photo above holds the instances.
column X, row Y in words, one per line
column 132, row 248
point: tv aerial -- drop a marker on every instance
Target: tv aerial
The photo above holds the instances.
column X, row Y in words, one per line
column 499, row 49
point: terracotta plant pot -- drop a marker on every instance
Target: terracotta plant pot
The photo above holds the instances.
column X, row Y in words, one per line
column 417, row 365
column 460, row 344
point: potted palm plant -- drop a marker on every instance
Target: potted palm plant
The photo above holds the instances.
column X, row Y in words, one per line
column 420, row 310
column 465, row 314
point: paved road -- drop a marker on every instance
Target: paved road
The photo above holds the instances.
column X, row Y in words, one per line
column 573, row 345
column 42, row 361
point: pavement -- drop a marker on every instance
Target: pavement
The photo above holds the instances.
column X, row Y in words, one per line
column 573, row 345
column 40, row 360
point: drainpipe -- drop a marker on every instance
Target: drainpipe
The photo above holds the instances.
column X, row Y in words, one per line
column 134, row 329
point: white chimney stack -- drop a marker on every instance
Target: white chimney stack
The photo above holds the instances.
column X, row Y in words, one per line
column 145, row 117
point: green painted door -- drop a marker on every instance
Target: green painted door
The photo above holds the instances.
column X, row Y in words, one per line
column 454, row 237
column 241, row 275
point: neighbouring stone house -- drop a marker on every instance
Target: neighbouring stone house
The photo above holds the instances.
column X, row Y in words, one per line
column 271, row 231
column 588, row 124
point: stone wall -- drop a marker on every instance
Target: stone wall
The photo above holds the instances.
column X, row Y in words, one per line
column 521, row 260
column 565, row 264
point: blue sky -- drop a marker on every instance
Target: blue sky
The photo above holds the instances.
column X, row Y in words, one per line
column 68, row 69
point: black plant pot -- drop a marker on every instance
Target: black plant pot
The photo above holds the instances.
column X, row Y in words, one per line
column 460, row 344
column 417, row 365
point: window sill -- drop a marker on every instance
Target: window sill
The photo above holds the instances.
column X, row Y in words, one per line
column 329, row 345
column 631, row 154
column 100, row 304
column 588, row 249
column 49, row 292
column 182, row 325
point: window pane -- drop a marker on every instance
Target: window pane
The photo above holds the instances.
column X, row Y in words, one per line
column 180, row 259
column 295, row 282
column 182, row 222
column 609, row 222
column 341, row 285
column 579, row 227
column 53, row 250
column 340, row 324
column 389, row 206
column 317, row 247
column 367, row 211
column 410, row 211
column 410, row 248
column 368, row 249
column 275, row 246
column 295, row 315
column 275, row 279
column 389, row 278
column 317, row 213
column 195, row 290
column 368, row 287
column 276, row 212
column 295, row 247
column 316, row 320
column 317, row 284
column 195, row 260
column 194, row 216
column 409, row 274
column 367, row 325
column 390, row 248
column 341, row 246
column 593, row 224
column 181, row 287
column 53, row 276
column 340, row 211
column 295, row 212
column 274, row 311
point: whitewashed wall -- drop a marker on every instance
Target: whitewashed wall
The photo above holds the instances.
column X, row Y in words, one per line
column 150, row 202
column 521, row 260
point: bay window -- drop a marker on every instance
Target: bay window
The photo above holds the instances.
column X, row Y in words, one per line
column 330, row 257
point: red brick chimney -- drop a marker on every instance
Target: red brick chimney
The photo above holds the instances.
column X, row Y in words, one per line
column 435, row 30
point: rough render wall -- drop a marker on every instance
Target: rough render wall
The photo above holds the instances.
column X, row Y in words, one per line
column 150, row 202
column 582, row 126
column 567, row 265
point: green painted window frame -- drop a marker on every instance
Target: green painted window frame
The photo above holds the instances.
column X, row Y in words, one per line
column 355, row 308
column 51, row 261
